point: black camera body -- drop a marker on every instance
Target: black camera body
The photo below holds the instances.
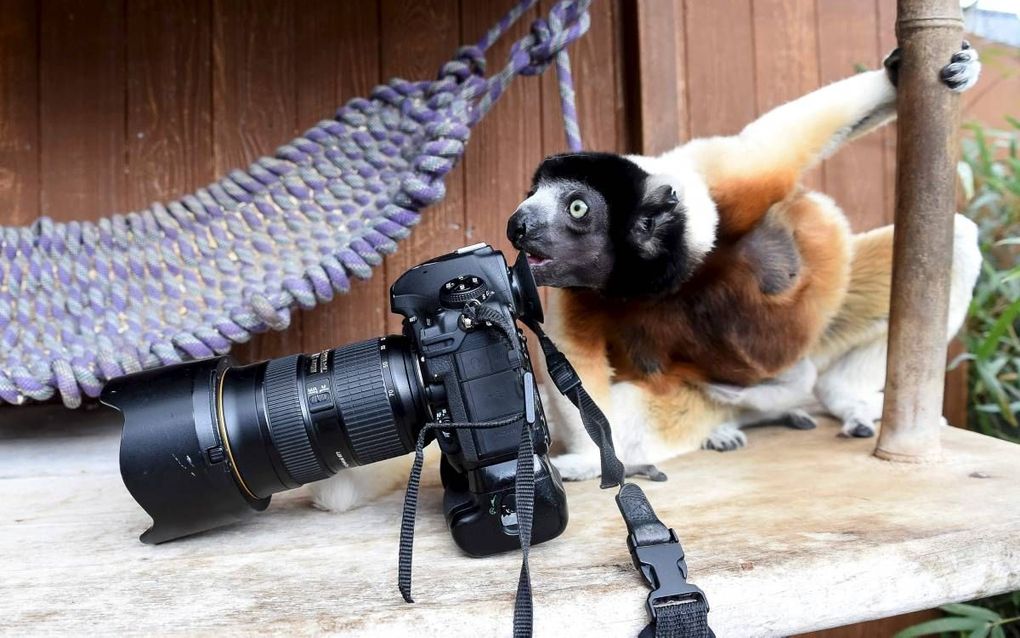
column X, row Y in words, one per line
column 473, row 375
column 208, row 442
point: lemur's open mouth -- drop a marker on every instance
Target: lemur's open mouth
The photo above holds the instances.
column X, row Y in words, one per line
column 536, row 259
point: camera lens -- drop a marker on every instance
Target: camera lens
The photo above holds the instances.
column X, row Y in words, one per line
column 207, row 442
column 303, row 418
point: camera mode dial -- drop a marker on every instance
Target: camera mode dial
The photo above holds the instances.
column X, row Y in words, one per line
column 457, row 292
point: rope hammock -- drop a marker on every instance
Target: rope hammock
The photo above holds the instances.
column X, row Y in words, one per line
column 83, row 302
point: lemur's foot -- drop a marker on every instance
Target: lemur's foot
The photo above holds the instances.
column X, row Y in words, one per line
column 856, row 427
column 725, row 438
column 578, row 467
column 646, row 470
column 960, row 74
column 798, row 420
column 963, row 69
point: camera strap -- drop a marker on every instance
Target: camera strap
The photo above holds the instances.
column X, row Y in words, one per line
column 678, row 609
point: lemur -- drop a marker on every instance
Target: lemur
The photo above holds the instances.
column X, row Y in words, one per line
column 614, row 235
column 707, row 288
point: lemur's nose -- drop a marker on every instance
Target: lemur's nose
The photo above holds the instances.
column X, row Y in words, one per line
column 517, row 227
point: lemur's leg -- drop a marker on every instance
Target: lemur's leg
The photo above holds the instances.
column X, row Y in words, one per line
column 851, row 388
column 791, row 138
column 587, row 353
column 852, row 355
column 778, row 401
column 787, row 391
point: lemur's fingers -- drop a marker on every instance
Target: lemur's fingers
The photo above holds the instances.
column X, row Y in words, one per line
column 963, row 69
column 892, row 65
column 959, row 75
column 725, row 438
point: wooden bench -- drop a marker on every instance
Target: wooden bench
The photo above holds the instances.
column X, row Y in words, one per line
column 800, row 531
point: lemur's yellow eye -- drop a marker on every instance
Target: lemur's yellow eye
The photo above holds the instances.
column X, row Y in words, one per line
column 578, row 209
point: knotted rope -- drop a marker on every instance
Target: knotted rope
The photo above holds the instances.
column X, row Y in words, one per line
column 83, row 302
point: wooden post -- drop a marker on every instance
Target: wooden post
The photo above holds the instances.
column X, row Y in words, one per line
column 929, row 32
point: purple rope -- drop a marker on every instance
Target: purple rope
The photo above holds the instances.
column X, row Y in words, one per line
column 83, row 302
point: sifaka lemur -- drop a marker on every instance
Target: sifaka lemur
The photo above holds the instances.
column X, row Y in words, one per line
column 706, row 288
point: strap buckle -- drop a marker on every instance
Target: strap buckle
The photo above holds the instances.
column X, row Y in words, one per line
column 665, row 569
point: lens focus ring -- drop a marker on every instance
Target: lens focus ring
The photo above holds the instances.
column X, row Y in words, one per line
column 364, row 402
column 287, row 423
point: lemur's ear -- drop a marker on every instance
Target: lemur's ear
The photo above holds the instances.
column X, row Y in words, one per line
column 657, row 214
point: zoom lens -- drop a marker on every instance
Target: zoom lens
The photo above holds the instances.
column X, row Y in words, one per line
column 303, row 418
column 205, row 443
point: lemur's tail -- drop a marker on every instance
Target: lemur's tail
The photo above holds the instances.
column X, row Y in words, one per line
column 864, row 314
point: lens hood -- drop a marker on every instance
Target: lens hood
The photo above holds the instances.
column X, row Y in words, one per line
column 172, row 458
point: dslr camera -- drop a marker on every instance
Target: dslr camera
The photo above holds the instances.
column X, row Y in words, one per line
column 208, row 442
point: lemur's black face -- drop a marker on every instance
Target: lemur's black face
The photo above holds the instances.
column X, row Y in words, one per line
column 597, row 220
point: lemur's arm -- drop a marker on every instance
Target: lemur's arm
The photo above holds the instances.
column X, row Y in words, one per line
column 749, row 172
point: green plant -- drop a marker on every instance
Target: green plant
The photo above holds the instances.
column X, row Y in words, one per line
column 990, row 175
column 972, row 621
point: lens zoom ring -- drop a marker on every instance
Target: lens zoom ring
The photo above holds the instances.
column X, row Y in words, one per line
column 283, row 403
column 364, row 402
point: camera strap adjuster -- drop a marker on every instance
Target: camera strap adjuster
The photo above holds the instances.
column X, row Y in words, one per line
column 665, row 569
column 563, row 375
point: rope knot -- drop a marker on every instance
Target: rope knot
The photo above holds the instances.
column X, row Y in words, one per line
column 568, row 20
column 469, row 61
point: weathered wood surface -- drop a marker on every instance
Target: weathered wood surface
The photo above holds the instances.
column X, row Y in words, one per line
column 799, row 531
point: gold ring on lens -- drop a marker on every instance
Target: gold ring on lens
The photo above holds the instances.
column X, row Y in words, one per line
column 221, row 425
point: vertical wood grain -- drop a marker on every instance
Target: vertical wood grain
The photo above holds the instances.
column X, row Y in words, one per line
column 19, row 111
column 417, row 36
column 82, row 108
column 503, row 153
column 254, row 107
column 785, row 56
column 599, row 70
column 169, row 99
column 854, row 177
column 720, row 66
column 337, row 60
column 660, row 52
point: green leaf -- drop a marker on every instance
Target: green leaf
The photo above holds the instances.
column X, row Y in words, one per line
column 939, row 625
column 972, row 611
column 1015, row 123
column 998, row 632
column 980, row 632
column 1005, row 320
